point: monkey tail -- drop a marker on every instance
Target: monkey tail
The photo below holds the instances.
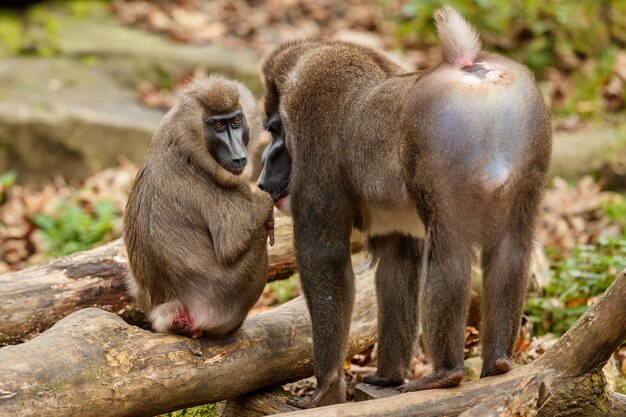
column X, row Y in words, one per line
column 460, row 44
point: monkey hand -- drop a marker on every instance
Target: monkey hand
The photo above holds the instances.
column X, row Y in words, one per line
column 269, row 229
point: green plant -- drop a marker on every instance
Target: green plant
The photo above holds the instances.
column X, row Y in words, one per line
column 75, row 227
column 285, row 290
column 576, row 281
column 615, row 210
column 7, row 180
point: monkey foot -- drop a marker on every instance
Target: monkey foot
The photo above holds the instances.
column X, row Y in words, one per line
column 383, row 381
column 316, row 401
column 500, row 366
column 332, row 392
column 440, row 379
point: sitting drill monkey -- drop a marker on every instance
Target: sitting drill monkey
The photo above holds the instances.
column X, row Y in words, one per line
column 194, row 230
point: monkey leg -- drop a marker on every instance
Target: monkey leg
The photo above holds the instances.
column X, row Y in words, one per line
column 322, row 241
column 397, row 289
column 505, row 263
column 444, row 302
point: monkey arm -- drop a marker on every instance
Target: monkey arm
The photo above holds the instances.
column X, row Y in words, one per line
column 264, row 206
column 241, row 226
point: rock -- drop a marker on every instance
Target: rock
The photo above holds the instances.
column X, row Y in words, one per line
column 76, row 113
column 138, row 54
column 58, row 117
column 596, row 149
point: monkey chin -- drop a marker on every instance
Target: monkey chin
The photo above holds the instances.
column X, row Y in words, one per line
column 284, row 205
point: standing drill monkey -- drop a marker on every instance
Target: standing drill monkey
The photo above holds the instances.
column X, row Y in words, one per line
column 194, row 230
column 430, row 166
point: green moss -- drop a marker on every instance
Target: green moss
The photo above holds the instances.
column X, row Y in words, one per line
column 11, row 31
column 208, row 410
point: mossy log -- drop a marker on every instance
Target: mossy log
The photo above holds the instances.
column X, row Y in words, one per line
column 35, row 298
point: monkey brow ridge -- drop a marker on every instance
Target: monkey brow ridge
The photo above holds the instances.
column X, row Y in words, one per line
column 226, row 116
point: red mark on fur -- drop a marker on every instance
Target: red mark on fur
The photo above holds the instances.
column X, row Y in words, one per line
column 183, row 324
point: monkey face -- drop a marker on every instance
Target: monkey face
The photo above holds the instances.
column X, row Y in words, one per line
column 276, row 163
column 227, row 136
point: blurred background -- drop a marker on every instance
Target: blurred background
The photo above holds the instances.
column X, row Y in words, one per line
column 83, row 85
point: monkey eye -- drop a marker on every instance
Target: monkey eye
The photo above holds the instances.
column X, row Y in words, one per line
column 218, row 125
column 236, row 121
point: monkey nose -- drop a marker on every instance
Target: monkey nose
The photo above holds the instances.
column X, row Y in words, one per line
column 240, row 162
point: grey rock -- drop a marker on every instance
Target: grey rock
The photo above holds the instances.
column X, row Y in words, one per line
column 77, row 113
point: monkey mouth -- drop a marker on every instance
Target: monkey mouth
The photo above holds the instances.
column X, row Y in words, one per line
column 235, row 170
column 283, row 204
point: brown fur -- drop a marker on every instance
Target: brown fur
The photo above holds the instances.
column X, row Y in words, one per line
column 195, row 232
column 463, row 148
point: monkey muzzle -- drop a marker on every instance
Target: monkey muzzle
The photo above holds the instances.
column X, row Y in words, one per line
column 283, row 204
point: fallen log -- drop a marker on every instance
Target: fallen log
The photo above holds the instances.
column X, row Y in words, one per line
column 92, row 363
column 567, row 380
column 35, row 298
column 256, row 404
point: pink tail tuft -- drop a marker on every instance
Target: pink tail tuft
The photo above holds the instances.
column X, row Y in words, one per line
column 460, row 44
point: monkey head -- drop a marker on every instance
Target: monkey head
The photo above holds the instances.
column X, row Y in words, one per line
column 276, row 162
column 220, row 119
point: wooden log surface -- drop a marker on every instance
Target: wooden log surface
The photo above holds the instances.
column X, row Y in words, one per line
column 35, row 298
column 256, row 404
column 567, row 380
column 92, row 363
